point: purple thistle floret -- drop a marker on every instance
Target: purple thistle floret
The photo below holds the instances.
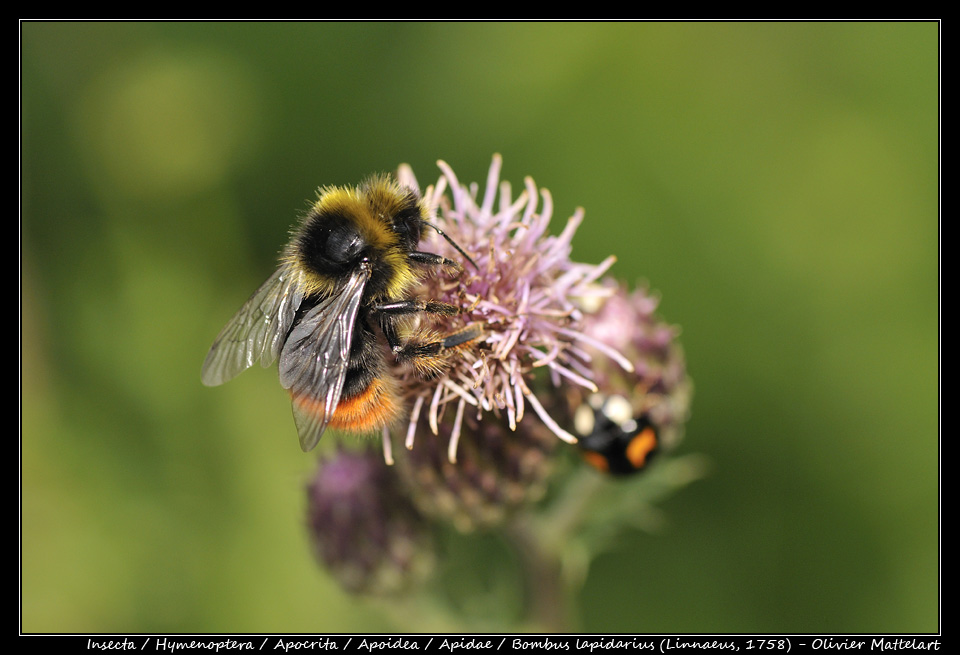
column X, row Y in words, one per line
column 659, row 386
column 526, row 293
column 541, row 334
column 363, row 527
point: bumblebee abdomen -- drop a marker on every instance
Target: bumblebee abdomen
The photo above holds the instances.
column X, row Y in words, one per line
column 612, row 439
column 373, row 407
column 619, row 450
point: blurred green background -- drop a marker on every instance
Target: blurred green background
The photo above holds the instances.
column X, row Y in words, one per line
column 777, row 183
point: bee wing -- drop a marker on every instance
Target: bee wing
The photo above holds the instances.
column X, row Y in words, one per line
column 257, row 330
column 313, row 362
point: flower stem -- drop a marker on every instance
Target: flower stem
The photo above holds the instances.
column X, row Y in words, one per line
column 550, row 607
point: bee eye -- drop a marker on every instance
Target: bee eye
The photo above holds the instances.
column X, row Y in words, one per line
column 407, row 225
column 329, row 242
column 343, row 245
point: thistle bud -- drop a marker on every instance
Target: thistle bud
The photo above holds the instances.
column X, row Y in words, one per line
column 658, row 388
column 495, row 472
column 363, row 527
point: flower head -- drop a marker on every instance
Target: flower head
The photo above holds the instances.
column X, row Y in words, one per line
column 658, row 386
column 497, row 471
column 525, row 293
column 363, row 527
column 535, row 333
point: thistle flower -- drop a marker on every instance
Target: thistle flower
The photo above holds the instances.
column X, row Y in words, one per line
column 658, row 386
column 556, row 335
column 497, row 471
column 363, row 527
column 525, row 293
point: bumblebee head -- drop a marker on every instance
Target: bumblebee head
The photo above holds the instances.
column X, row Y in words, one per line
column 379, row 222
column 396, row 209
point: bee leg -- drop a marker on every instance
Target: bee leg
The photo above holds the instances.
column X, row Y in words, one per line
column 448, row 240
column 429, row 353
column 389, row 311
column 430, row 259
column 431, row 357
column 401, row 307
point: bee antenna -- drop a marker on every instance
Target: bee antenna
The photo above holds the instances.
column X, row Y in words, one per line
column 451, row 242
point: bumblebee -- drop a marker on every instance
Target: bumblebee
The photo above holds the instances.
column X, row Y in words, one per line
column 612, row 438
column 341, row 288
